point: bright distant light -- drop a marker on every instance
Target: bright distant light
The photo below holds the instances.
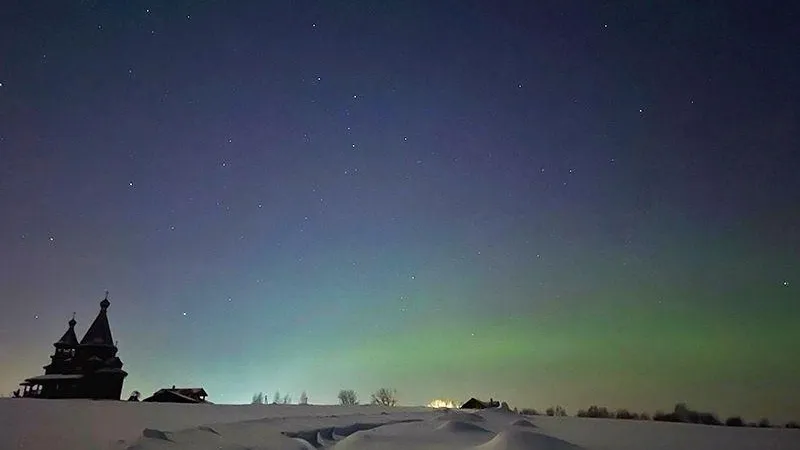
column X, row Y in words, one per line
column 439, row 403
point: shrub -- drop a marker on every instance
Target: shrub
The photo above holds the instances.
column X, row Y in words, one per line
column 682, row 413
column 662, row 417
column 530, row 412
column 385, row 397
column 258, row 398
column 596, row 412
column 707, row 419
column 347, row 397
column 556, row 411
column 625, row 415
column 793, row 424
column 764, row 423
column 735, row 421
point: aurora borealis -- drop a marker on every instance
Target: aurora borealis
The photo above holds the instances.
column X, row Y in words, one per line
column 567, row 203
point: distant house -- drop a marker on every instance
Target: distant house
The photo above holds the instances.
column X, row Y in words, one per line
column 88, row 368
column 178, row 395
column 474, row 403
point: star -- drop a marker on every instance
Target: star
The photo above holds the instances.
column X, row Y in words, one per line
column 786, row 283
column 52, row 239
column 130, row 184
column 184, row 314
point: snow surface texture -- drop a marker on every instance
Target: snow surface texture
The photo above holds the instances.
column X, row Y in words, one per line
column 86, row 425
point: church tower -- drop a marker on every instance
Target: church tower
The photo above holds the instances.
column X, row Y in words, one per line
column 61, row 360
column 97, row 355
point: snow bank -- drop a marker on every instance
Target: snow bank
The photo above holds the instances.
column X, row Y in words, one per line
column 36, row 424
column 31, row 424
column 523, row 439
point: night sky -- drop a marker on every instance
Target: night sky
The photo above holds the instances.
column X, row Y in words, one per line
column 558, row 202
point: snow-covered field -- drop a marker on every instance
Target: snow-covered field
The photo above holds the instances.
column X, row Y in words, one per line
column 87, row 425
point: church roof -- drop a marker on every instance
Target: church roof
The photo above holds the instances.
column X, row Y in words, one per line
column 69, row 339
column 474, row 403
column 111, row 370
column 179, row 395
column 99, row 332
column 54, row 376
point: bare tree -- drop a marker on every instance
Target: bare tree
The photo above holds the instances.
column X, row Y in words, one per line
column 287, row 399
column 557, row 411
column 347, row 397
column 303, row 398
column 385, row 397
column 276, row 399
column 258, row 398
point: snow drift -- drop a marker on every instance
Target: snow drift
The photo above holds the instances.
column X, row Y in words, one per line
column 33, row 424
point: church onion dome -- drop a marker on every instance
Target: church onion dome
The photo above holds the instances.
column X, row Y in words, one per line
column 99, row 333
column 69, row 339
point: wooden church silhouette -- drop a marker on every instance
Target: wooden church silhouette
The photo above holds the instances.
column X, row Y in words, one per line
column 89, row 368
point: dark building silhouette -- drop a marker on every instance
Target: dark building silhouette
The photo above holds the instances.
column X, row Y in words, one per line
column 86, row 369
column 179, row 395
column 474, row 403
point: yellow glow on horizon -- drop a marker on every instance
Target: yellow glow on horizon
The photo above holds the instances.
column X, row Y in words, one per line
column 439, row 403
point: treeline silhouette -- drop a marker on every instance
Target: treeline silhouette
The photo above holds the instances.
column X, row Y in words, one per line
column 680, row 414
